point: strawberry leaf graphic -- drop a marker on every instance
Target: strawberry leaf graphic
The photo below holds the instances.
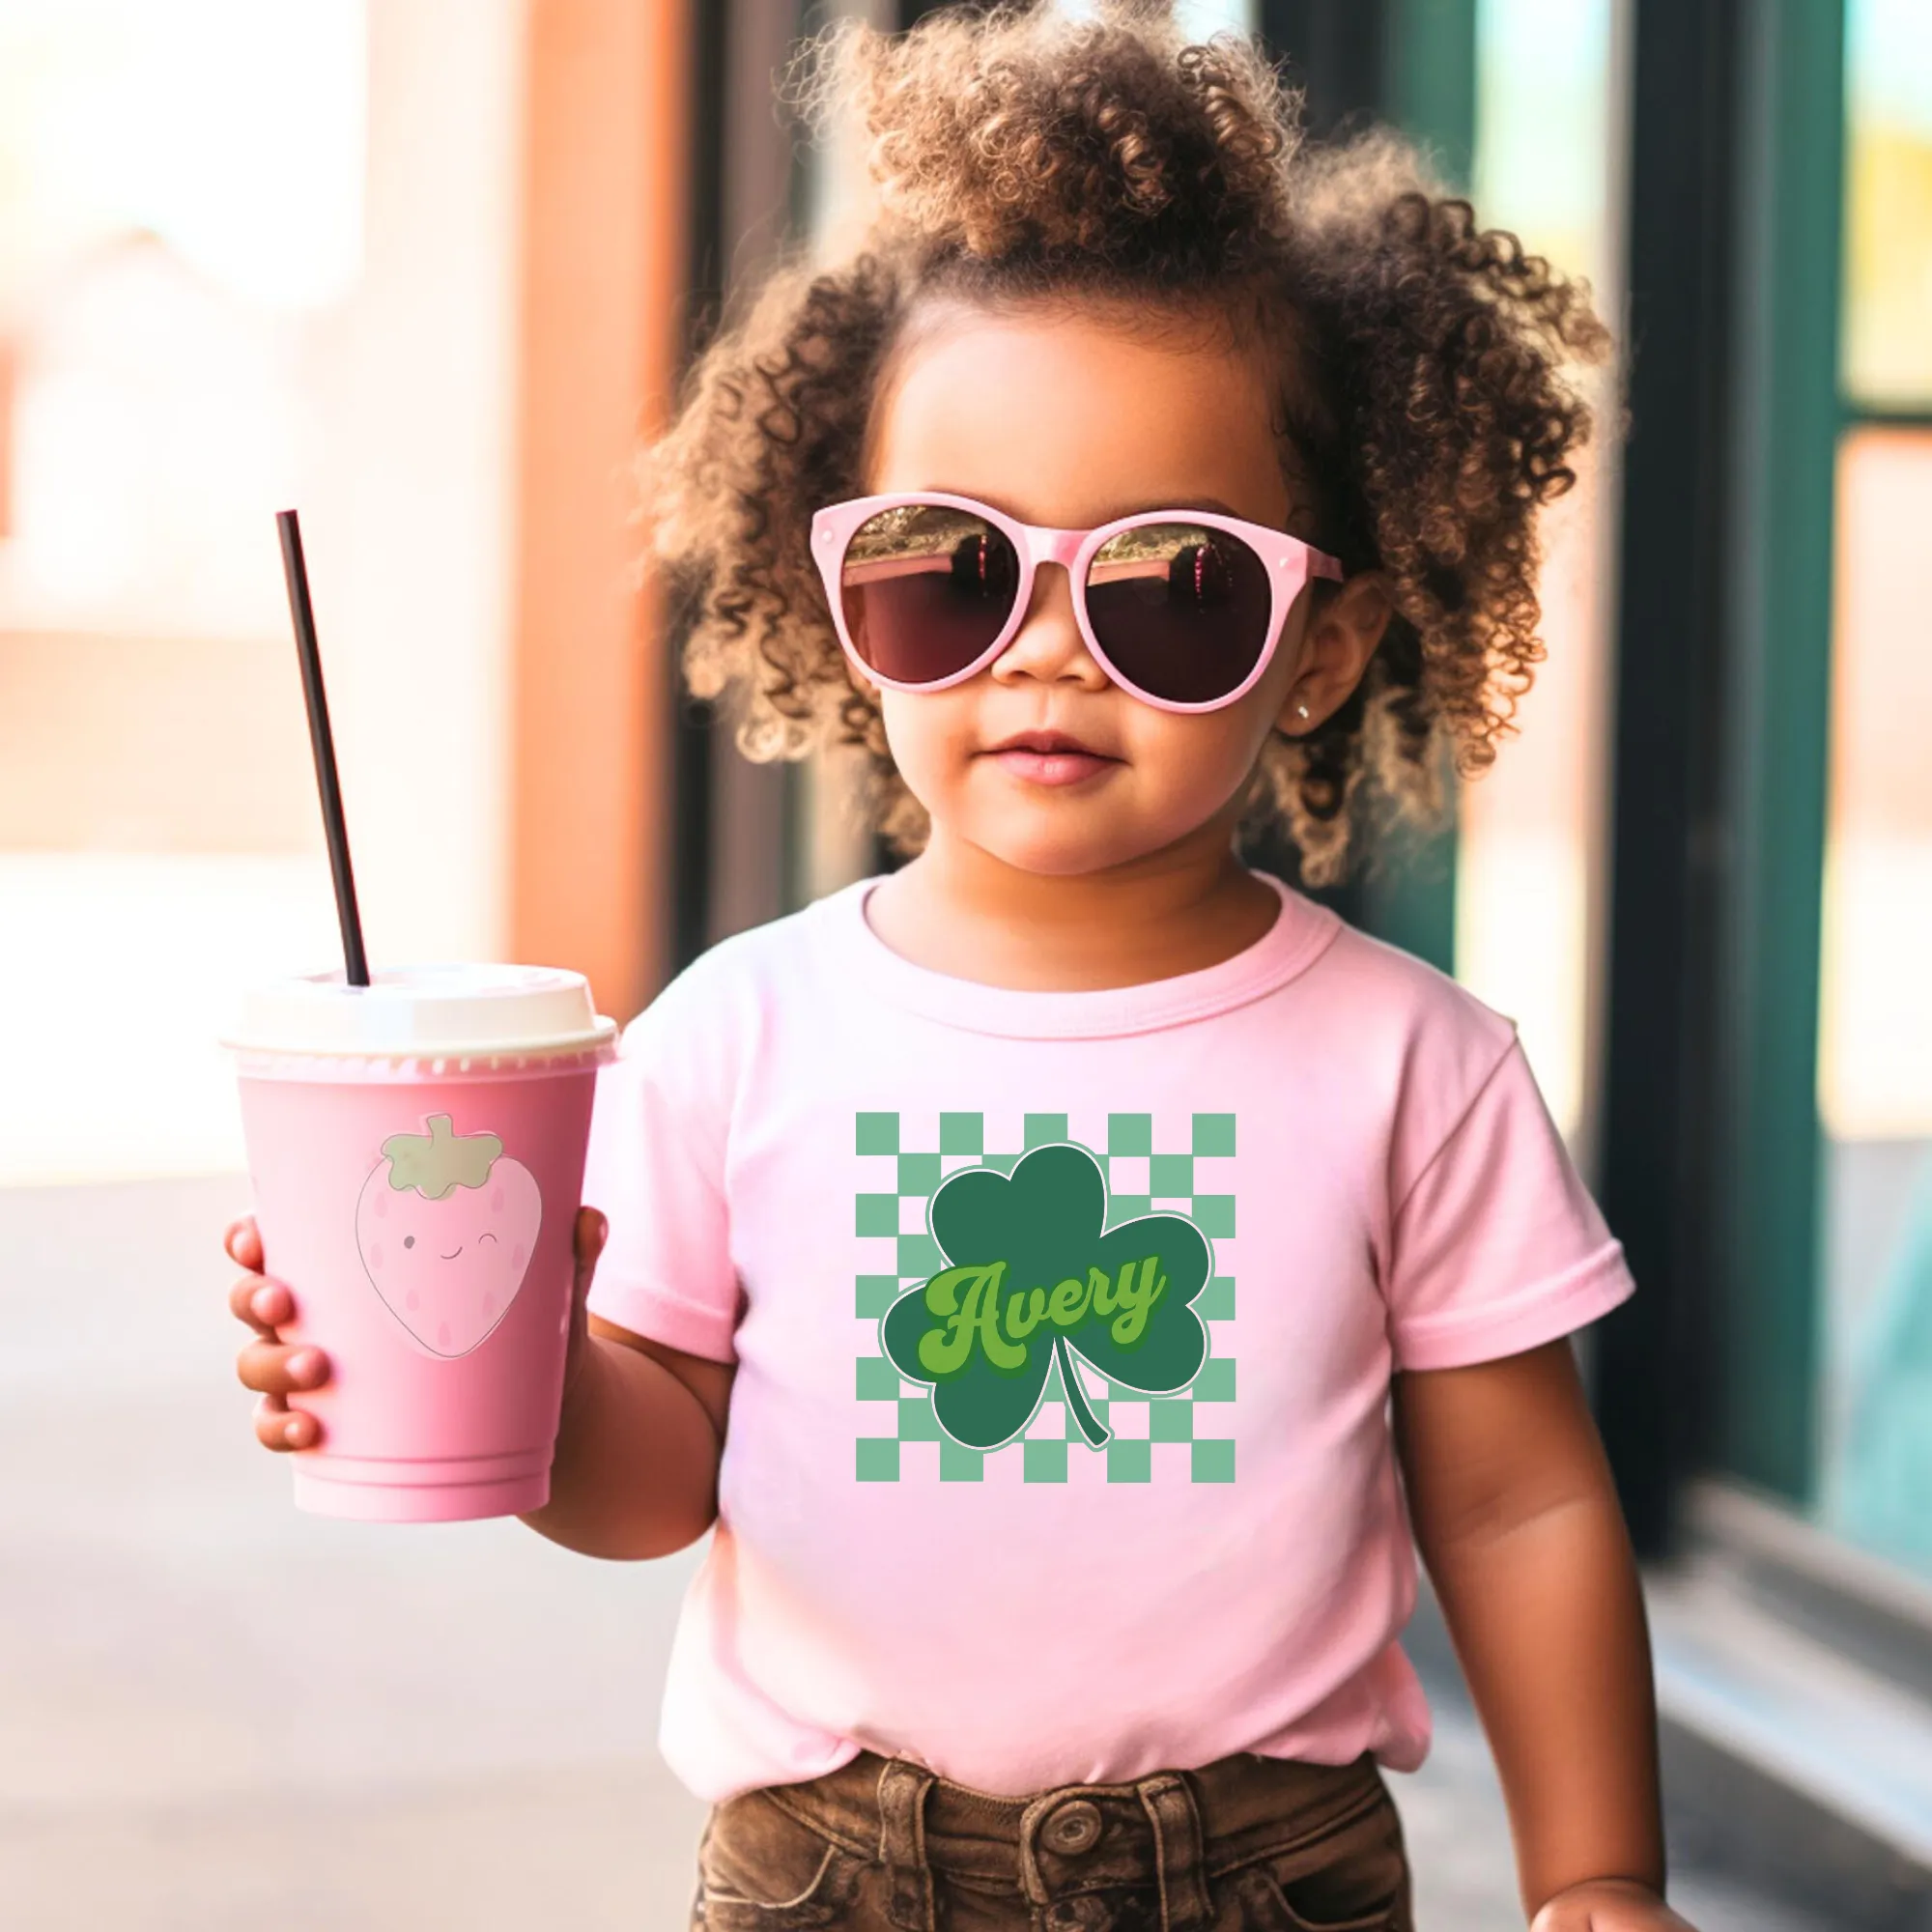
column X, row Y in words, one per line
column 439, row 1160
column 1034, row 1277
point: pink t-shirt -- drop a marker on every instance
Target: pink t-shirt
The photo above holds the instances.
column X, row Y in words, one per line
column 1226, row 1205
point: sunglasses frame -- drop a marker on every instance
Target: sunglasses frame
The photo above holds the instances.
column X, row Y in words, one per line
column 1290, row 565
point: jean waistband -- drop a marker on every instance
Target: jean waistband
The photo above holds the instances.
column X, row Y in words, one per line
column 1176, row 1826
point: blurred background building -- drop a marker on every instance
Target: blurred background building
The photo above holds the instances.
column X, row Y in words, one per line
column 428, row 268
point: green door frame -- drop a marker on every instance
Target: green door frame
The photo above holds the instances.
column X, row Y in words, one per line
column 1432, row 81
column 1408, row 897
column 1787, row 416
column 1411, row 62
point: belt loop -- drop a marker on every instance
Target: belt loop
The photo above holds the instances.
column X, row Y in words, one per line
column 1169, row 1802
column 902, row 1789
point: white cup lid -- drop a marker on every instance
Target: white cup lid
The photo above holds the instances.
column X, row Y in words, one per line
column 418, row 1010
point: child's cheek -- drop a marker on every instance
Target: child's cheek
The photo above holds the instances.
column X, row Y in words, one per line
column 932, row 741
column 1187, row 764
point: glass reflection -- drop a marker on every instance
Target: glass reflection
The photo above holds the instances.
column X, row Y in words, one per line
column 1875, row 1022
column 1888, row 324
column 1184, row 560
column 925, row 588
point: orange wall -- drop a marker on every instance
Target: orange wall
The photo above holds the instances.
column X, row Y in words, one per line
column 602, row 310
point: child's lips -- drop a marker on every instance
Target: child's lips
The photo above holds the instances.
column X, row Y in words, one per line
column 1051, row 764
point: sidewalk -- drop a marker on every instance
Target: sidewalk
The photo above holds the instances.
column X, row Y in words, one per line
column 216, row 1714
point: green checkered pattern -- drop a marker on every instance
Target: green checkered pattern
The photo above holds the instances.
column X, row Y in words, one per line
column 897, row 1412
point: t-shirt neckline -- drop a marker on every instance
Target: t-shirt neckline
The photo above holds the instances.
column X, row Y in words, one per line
column 1300, row 932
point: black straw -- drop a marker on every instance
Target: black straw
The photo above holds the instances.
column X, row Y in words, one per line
column 355, row 959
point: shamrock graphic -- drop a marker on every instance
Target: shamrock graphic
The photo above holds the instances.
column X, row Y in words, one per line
column 1032, row 1279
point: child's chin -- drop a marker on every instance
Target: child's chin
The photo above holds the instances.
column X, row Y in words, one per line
column 1064, row 851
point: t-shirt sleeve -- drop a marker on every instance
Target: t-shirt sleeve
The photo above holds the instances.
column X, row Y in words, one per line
column 655, row 1169
column 1496, row 1246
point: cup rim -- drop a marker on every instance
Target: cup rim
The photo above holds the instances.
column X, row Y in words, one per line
column 604, row 1034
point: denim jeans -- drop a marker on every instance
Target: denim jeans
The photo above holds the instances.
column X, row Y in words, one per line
column 1244, row 1844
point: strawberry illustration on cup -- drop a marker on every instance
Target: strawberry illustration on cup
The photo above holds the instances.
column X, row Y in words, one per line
column 446, row 1226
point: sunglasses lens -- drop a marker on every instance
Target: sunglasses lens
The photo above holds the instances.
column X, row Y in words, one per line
column 925, row 590
column 1180, row 609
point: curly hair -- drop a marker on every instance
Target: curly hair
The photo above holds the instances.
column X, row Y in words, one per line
column 1421, row 365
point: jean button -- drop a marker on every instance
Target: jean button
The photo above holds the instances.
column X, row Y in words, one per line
column 1074, row 1826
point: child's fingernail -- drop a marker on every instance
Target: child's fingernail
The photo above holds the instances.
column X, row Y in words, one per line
column 292, row 1435
column 262, row 1302
column 303, row 1365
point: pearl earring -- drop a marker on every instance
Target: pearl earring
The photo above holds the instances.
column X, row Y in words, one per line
column 1301, row 711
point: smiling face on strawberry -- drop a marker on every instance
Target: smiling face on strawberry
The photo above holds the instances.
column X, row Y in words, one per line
column 446, row 1226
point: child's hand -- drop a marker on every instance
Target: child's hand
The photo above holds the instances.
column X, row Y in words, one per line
column 587, row 1238
column 267, row 1364
column 277, row 1371
column 1608, row 1905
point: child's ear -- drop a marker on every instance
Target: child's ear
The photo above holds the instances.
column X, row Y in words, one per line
column 1345, row 624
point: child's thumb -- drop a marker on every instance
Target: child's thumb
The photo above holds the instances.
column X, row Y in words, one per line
column 588, row 1239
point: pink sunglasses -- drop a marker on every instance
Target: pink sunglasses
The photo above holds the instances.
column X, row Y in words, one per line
column 1182, row 607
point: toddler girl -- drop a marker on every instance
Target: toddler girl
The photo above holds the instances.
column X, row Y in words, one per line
column 1071, row 1274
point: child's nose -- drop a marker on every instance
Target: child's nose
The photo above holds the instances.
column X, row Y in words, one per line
column 1048, row 645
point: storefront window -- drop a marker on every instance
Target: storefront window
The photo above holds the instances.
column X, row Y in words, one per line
column 1875, row 1037
column 1888, row 324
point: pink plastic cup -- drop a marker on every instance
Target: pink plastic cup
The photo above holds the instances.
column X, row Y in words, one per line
column 416, row 1151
